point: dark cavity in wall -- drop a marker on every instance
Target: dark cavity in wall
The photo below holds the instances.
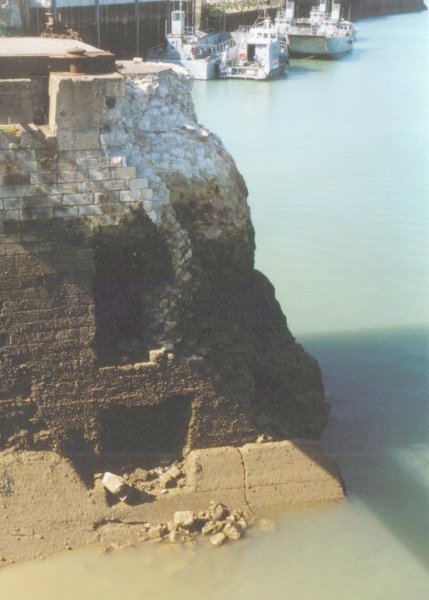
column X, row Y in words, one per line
column 132, row 265
column 146, row 430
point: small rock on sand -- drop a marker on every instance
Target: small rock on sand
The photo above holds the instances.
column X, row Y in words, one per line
column 115, row 484
column 184, row 518
column 218, row 539
column 231, row 531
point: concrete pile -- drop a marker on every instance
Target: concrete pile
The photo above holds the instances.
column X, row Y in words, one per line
column 218, row 523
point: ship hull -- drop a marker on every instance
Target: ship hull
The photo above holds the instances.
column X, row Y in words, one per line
column 322, row 46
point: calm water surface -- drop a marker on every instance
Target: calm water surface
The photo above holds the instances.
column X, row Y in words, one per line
column 336, row 160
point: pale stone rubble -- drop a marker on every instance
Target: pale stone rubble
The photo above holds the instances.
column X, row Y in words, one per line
column 154, row 128
column 219, row 524
column 255, row 477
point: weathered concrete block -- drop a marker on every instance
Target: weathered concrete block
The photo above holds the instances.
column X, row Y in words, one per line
column 289, row 472
column 16, row 104
column 214, row 469
column 78, row 100
column 138, row 183
column 78, row 139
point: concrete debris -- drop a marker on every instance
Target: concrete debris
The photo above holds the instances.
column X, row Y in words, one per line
column 219, row 511
column 155, row 532
column 177, row 537
column 184, row 518
column 116, row 485
column 232, row 531
column 174, row 472
column 218, row 539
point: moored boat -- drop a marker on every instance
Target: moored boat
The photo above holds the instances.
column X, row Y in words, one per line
column 321, row 35
column 199, row 52
column 259, row 53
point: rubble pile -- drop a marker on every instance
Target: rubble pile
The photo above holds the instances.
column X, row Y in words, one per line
column 218, row 523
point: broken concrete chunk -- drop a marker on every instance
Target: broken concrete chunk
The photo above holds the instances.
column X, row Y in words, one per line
column 219, row 511
column 158, row 355
column 218, row 539
column 232, row 531
column 139, row 475
column 209, row 528
column 174, row 472
column 115, row 484
column 166, row 481
column 176, row 537
column 155, row 532
column 184, row 518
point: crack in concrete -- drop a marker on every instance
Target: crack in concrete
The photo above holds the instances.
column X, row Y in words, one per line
column 240, row 452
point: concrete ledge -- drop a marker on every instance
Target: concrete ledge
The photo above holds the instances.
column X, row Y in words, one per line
column 271, row 475
column 214, row 469
column 289, row 472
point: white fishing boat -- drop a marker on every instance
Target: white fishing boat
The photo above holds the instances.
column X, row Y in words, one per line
column 259, row 53
column 285, row 19
column 200, row 52
column 321, row 35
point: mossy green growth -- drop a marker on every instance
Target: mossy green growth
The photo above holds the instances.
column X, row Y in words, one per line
column 10, row 130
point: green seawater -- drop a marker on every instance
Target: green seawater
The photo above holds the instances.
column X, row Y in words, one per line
column 336, row 160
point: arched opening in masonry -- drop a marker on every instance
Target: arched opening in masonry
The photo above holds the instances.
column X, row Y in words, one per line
column 132, row 265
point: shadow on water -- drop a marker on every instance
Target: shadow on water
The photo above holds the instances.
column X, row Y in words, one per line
column 378, row 386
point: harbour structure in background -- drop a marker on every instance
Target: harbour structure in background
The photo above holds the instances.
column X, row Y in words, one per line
column 323, row 34
column 259, row 52
column 200, row 52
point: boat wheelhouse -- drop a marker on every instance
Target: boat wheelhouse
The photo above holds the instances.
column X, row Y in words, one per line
column 198, row 51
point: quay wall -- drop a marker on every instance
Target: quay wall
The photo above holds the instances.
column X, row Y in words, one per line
column 62, row 512
column 132, row 320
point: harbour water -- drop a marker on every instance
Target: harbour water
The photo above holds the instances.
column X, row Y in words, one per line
column 336, row 158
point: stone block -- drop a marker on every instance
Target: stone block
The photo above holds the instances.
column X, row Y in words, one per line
column 124, row 173
column 78, row 139
column 66, row 212
column 126, row 196
column 79, row 100
column 146, row 194
column 32, row 214
column 16, row 104
column 90, row 210
column 138, row 183
column 78, row 199
column 289, row 472
column 214, row 469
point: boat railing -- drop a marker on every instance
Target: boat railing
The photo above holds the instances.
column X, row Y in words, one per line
column 155, row 51
column 197, row 32
column 327, row 31
column 304, row 31
column 214, row 49
column 241, row 70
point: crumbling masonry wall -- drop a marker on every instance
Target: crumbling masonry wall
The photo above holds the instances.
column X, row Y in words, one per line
column 132, row 319
column 72, row 221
